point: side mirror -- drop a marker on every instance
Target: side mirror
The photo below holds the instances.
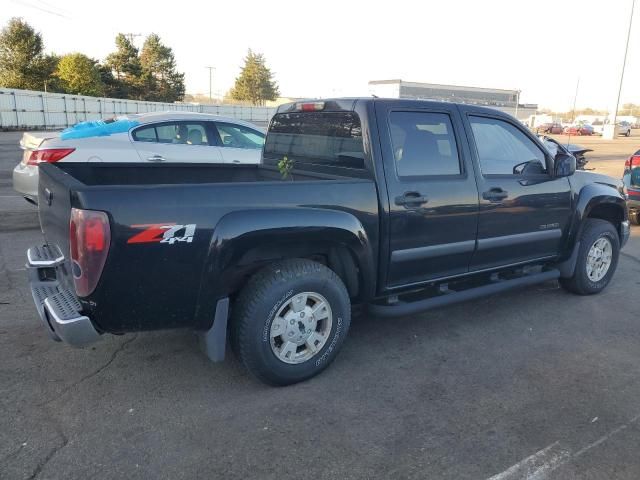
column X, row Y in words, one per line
column 564, row 165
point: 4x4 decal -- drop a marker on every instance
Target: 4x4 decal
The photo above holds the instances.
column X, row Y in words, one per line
column 164, row 233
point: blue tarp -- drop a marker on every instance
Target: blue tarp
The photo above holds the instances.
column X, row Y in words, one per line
column 98, row 128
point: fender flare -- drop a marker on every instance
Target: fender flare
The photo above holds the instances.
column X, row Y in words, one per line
column 590, row 197
column 241, row 236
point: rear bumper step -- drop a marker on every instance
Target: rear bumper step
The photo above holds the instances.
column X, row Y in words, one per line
column 58, row 307
column 408, row 308
column 44, row 256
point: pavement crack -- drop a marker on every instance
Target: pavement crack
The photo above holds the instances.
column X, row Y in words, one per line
column 48, row 457
column 96, row 372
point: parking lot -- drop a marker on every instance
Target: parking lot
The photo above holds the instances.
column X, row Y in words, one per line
column 537, row 383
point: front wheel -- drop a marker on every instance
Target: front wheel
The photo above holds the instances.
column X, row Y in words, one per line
column 291, row 319
column 597, row 258
column 628, row 134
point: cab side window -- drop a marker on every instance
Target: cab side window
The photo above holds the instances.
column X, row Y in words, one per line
column 423, row 144
column 504, row 150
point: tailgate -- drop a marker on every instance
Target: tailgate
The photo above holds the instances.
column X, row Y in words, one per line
column 55, row 188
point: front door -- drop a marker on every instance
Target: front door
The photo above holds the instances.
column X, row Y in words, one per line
column 239, row 144
column 433, row 200
column 524, row 210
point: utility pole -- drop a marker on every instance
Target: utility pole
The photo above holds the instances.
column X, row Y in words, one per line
column 573, row 113
column 624, row 63
column 211, row 69
column 131, row 36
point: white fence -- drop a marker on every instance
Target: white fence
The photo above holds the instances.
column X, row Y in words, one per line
column 31, row 109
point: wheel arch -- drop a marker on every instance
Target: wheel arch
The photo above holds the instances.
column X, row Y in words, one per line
column 243, row 242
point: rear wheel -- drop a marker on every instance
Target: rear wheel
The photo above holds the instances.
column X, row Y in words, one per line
column 597, row 258
column 291, row 319
column 634, row 218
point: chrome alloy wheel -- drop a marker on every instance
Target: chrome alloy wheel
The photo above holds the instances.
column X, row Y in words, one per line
column 301, row 327
column 599, row 259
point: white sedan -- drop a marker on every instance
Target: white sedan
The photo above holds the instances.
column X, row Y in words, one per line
column 145, row 137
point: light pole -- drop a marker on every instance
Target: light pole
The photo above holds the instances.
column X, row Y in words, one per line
column 211, row 69
column 624, row 63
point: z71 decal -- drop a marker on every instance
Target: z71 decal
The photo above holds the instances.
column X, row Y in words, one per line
column 164, row 233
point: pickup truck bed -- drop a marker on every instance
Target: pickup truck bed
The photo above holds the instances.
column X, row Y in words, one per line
column 156, row 285
column 395, row 204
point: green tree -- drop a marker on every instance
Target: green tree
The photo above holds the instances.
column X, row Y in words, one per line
column 255, row 83
column 79, row 74
column 161, row 81
column 23, row 63
column 123, row 65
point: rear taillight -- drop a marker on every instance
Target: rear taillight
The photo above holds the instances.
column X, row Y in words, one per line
column 632, row 162
column 89, row 240
column 48, row 155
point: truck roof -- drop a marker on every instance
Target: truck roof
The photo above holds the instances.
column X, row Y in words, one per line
column 349, row 103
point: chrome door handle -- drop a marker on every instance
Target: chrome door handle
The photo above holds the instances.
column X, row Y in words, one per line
column 235, row 161
column 156, row 158
column 411, row 200
column 495, row 195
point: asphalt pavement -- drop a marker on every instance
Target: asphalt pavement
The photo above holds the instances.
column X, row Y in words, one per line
column 536, row 383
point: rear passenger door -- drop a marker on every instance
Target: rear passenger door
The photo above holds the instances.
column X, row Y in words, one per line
column 524, row 210
column 183, row 141
column 433, row 200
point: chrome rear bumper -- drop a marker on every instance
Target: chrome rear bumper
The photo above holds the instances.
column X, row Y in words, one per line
column 57, row 306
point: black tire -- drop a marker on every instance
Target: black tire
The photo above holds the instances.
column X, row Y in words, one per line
column 580, row 282
column 628, row 134
column 258, row 304
column 634, row 218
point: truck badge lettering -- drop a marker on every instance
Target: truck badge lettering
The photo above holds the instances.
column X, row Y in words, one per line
column 164, row 233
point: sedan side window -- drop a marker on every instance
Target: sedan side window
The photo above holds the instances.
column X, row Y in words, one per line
column 145, row 134
column 176, row 133
column 238, row 136
column 504, row 150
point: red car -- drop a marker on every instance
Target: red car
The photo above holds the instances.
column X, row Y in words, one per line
column 579, row 130
column 552, row 128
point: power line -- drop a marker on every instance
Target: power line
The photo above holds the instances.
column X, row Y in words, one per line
column 36, row 7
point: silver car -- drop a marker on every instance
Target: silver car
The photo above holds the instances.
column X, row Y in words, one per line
column 147, row 137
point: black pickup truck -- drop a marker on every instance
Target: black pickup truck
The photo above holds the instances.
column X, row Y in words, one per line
column 396, row 205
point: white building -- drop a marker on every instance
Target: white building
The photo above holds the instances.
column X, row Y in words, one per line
column 506, row 100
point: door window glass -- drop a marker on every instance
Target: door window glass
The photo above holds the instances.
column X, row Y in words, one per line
column 423, row 144
column 504, row 150
column 178, row 133
column 238, row 136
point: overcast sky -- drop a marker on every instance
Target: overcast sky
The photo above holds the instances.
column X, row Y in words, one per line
column 330, row 48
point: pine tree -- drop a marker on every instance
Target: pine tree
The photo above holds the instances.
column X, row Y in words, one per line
column 124, row 77
column 255, row 83
column 162, row 82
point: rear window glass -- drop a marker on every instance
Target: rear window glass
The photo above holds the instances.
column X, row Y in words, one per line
column 316, row 138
